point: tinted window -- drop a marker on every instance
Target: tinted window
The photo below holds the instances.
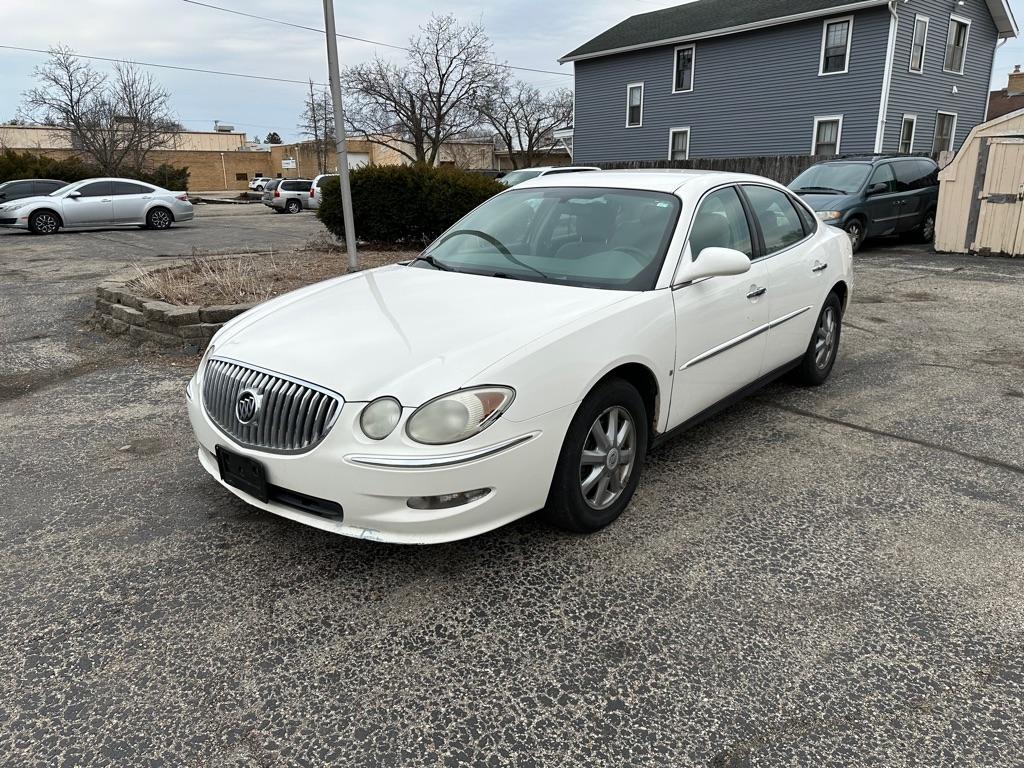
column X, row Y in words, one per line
column 320, row 182
column 883, row 175
column 16, row 189
column 272, row 185
column 809, row 220
column 780, row 224
column 46, row 187
column 96, row 189
column 128, row 188
column 915, row 174
column 295, row 186
column 720, row 223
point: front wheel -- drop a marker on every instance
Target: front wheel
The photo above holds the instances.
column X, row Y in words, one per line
column 43, row 223
column 857, row 232
column 817, row 362
column 602, row 459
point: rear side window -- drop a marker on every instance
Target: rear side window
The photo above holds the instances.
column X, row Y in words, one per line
column 295, row 186
column 774, row 211
column 721, row 223
column 128, row 188
column 915, row 174
column 272, row 185
column 96, row 189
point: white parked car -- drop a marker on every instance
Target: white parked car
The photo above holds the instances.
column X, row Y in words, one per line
column 526, row 360
column 96, row 203
column 512, row 178
column 259, row 183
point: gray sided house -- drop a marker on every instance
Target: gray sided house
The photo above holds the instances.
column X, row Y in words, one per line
column 731, row 78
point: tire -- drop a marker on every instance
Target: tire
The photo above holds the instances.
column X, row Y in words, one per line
column 44, row 223
column 159, row 218
column 857, row 231
column 925, row 232
column 583, row 497
column 820, row 357
column 259, row 188
column 293, row 206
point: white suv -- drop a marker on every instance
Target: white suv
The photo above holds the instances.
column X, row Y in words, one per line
column 259, row 183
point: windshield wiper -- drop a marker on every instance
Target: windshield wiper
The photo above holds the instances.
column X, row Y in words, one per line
column 438, row 265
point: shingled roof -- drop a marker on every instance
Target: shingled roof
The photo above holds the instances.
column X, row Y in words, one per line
column 710, row 18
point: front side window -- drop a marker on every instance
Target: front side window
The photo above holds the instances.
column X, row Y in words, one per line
column 679, row 144
column 720, row 223
column 591, row 237
column 956, row 44
column 827, row 135
column 918, row 43
column 835, row 46
column 907, row 134
column 882, row 177
column 945, row 128
column 684, row 69
column 96, row 189
column 780, row 224
column 634, row 105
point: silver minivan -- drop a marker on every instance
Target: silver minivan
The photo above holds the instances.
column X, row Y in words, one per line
column 286, row 195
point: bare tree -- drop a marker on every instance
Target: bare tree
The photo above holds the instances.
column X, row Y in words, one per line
column 318, row 124
column 525, row 120
column 415, row 107
column 116, row 121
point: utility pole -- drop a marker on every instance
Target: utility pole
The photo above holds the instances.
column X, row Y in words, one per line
column 334, row 73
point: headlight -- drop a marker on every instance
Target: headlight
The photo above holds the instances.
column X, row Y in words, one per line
column 379, row 418
column 830, row 215
column 459, row 415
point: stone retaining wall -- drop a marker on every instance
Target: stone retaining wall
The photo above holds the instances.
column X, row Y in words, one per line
column 121, row 312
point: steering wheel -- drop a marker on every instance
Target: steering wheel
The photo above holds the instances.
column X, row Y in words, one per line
column 643, row 259
column 482, row 235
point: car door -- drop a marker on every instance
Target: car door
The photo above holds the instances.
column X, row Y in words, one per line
column 883, row 202
column 916, row 181
column 94, row 205
column 720, row 321
column 796, row 270
column 130, row 201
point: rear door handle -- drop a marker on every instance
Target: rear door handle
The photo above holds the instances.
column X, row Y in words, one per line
column 819, row 267
column 755, row 292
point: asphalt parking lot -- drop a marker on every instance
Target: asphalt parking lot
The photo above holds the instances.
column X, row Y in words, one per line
column 830, row 577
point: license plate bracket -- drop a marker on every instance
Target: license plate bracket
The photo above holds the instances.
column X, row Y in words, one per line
column 243, row 473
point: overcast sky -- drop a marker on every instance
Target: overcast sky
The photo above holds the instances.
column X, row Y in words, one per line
column 528, row 33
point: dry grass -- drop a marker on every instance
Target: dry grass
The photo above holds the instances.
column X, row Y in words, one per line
column 250, row 278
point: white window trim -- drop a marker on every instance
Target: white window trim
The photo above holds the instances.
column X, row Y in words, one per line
column 913, row 133
column 952, row 132
column 924, row 48
column 967, row 40
column 671, row 136
column 693, row 67
column 839, row 134
column 824, row 37
column 629, row 88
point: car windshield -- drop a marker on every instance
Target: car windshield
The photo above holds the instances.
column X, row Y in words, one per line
column 832, row 179
column 518, row 177
column 590, row 237
column 64, row 190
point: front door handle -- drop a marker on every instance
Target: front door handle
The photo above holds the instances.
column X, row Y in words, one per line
column 819, row 267
column 755, row 292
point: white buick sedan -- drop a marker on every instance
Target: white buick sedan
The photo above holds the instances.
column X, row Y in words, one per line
column 527, row 360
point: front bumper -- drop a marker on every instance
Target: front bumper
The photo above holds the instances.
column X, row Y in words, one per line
column 373, row 481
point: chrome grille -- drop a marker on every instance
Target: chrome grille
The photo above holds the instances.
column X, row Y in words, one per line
column 292, row 418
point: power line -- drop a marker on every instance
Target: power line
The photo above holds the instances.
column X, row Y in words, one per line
column 352, row 37
column 169, row 66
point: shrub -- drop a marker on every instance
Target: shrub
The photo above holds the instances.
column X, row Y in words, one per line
column 26, row 165
column 409, row 204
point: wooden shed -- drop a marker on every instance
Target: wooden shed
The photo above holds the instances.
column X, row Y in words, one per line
column 981, row 193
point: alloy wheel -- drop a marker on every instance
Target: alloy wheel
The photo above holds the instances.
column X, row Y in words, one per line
column 46, row 223
column 825, row 338
column 928, row 228
column 609, row 454
column 856, row 232
column 160, row 219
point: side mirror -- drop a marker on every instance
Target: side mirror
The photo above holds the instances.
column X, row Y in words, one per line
column 713, row 262
column 878, row 189
column 74, row 194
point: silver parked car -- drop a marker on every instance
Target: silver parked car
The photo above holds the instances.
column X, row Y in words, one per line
column 96, row 203
column 286, row 195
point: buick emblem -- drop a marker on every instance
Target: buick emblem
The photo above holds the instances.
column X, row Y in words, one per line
column 247, row 407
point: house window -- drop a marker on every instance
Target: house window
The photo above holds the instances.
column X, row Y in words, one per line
column 956, row 44
column 918, row 44
column 634, row 105
column 835, row 46
column 684, row 69
column 241, row 177
column 828, row 132
column 907, row 131
column 679, row 144
column 945, row 132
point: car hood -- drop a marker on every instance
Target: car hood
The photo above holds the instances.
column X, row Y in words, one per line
column 22, row 201
column 401, row 331
column 820, row 202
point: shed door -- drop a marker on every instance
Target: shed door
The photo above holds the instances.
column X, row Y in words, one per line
column 1001, row 223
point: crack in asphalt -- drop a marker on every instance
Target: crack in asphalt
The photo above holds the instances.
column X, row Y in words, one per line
column 997, row 463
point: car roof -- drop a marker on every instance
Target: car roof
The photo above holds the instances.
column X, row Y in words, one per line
column 651, row 180
column 872, row 159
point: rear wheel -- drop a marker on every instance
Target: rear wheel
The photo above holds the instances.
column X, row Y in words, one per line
column 857, row 232
column 925, row 232
column 43, row 223
column 159, row 218
column 601, row 461
column 820, row 356
column 294, row 206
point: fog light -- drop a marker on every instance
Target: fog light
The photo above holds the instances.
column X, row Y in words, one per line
column 447, row 501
